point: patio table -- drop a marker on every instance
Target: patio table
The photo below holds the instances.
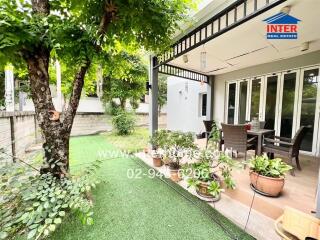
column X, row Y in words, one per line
column 260, row 134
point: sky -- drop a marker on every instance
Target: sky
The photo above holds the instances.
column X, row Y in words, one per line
column 204, row 3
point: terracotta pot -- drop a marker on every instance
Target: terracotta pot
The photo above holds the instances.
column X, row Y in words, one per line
column 268, row 185
column 203, row 192
column 157, row 161
column 175, row 175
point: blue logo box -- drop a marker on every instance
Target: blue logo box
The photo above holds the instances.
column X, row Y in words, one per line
column 282, row 35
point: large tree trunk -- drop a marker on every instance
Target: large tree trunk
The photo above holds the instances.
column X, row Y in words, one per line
column 56, row 137
column 56, row 130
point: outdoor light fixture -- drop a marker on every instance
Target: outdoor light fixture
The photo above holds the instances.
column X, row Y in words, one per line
column 203, row 60
column 286, row 9
column 304, row 46
column 185, row 58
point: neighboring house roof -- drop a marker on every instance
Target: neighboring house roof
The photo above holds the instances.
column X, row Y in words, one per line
column 282, row 18
column 197, row 18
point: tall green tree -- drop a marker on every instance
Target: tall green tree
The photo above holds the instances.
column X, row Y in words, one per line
column 125, row 78
column 79, row 33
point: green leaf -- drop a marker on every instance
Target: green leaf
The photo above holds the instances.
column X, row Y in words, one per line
column 3, row 235
column 46, row 232
column 48, row 221
column 90, row 221
column 62, row 213
column 32, row 233
column 46, row 205
column 52, row 227
column 57, row 220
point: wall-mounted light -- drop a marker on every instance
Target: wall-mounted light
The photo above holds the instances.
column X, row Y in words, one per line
column 203, row 60
column 186, row 86
column 185, row 58
column 286, row 9
column 304, row 46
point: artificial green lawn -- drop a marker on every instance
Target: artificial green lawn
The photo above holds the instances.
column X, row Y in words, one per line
column 141, row 208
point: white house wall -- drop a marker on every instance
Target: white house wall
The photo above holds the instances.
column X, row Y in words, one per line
column 183, row 105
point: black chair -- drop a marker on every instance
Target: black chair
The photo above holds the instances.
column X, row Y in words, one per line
column 208, row 129
column 286, row 146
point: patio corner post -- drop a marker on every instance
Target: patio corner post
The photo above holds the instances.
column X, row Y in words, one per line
column 153, row 94
column 318, row 199
column 210, row 97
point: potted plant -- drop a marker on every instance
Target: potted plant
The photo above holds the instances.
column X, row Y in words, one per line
column 158, row 141
column 177, row 145
column 209, row 173
column 267, row 176
column 215, row 137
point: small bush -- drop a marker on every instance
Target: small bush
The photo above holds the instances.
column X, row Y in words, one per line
column 124, row 122
column 112, row 108
column 36, row 205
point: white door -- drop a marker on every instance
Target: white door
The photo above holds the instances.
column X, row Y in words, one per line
column 232, row 103
column 308, row 108
column 255, row 103
column 243, row 101
column 271, row 98
column 288, row 104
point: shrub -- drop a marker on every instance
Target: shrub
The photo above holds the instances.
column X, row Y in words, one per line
column 269, row 167
column 207, row 168
column 37, row 204
column 112, row 108
column 159, row 139
column 178, row 144
column 124, row 122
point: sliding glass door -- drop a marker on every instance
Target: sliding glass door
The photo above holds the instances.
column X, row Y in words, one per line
column 255, row 100
column 284, row 101
column 231, row 111
column 288, row 104
column 271, row 100
column 308, row 109
column 243, row 99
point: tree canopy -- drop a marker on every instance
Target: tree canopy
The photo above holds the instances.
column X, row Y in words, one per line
column 81, row 34
column 125, row 79
column 72, row 29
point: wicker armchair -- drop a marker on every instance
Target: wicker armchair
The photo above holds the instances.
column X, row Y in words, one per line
column 235, row 137
column 286, row 146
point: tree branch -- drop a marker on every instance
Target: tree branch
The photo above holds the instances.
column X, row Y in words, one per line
column 41, row 6
column 108, row 16
column 78, row 83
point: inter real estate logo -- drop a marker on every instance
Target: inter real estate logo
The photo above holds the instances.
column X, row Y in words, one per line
column 282, row 26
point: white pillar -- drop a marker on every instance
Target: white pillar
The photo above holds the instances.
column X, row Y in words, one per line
column 59, row 93
column 153, row 95
column 99, row 82
column 9, row 87
column 210, row 97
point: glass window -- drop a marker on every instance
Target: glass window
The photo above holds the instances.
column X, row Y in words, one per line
column 231, row 103
column 289, row 86
column 308, row 105
column 204, row 105
column 255, row 98
column 243, row 102
column 271, row 102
